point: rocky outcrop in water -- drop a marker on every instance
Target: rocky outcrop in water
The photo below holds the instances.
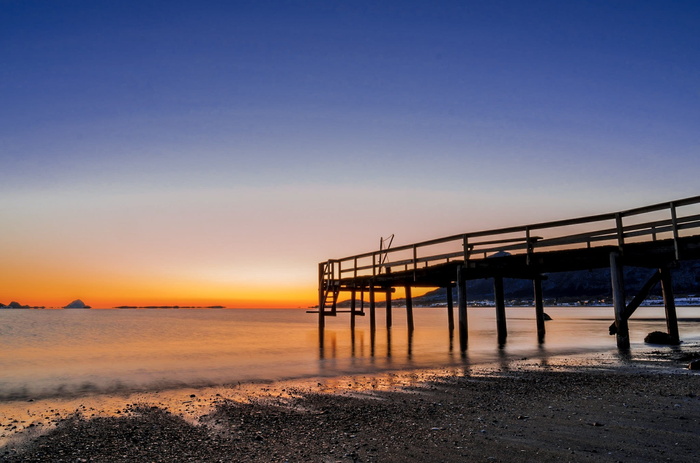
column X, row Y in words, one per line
column 659, row 337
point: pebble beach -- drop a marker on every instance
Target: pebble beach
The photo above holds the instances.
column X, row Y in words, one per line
column 645, row 408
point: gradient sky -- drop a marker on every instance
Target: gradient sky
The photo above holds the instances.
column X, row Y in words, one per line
column 213, row 152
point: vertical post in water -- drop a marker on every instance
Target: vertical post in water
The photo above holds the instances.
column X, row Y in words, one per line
column 450, row 310
column 670, row 305
column 353, row 306
column 388, row 307
column 321, row 298
column 462, row 308
column 372, row 318
column 409, row 308
column 618, row 290
column 539, row 308
column 372, row 305
column 500, row 310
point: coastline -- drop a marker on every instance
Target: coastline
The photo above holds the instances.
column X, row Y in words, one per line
column 602, row 407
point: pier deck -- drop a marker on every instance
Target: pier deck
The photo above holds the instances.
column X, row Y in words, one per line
column 658, row 236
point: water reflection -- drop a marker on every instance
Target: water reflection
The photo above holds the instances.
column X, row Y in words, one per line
column 61, row 352
column 571, row 331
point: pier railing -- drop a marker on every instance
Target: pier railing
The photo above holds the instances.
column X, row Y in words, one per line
column 670, row 220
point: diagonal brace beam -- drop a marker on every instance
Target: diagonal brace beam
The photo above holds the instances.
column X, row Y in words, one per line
column 638, row 299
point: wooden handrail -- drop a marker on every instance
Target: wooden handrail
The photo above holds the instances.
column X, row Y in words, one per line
column 617, row 232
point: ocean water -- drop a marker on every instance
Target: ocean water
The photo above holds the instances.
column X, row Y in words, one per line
column 69, row 353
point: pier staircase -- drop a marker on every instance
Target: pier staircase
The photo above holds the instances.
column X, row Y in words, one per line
column 329, row 290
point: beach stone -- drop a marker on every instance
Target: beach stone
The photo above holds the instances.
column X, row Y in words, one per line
column 659, row 337
column 694, row 365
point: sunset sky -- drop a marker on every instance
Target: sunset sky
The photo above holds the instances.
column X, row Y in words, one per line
column 213, row 152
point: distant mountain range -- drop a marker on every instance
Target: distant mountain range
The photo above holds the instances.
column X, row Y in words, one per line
column 569, row 287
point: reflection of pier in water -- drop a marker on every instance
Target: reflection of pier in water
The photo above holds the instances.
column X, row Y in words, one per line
column 658, row 237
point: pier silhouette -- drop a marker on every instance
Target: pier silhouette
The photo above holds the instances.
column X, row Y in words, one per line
column 659, row 237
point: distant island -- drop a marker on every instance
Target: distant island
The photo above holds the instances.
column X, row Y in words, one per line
column 17, row 305
column 77, row 304
column 169, row 307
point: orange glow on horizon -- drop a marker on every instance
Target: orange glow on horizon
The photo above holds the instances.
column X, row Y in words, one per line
column 102, row 302
column 163, row 295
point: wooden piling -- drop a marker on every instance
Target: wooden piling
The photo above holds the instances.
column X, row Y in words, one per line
column 372, row 306
column 462, row 308
column 539, row 309
column 450, row 310
column 353, row 306
column 500, row 309
column 619, row 303
column 321, row 341
column 670, row 305
column 409, row 308
column 388, row 343
column 388, row 308
column 321, row 299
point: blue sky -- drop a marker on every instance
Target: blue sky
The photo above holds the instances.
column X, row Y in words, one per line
column 263, row 122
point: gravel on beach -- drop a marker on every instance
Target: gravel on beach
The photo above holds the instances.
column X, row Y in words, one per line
column 459, row 415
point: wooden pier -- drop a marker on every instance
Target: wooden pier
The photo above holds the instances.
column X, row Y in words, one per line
column 658, row 236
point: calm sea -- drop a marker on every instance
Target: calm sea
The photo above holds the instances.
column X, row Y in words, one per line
column 54, row 353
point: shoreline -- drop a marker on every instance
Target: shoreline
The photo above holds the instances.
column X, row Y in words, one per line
column 261, row 421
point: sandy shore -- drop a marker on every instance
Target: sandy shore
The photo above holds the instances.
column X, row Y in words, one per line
column 639, row 410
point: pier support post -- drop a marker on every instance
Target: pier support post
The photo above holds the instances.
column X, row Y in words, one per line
column 500, row 309
column 353, row 306
column 388, row 308
column 372, row 306
column 321, row 298
column 409, row 308
column 619, row 303
column 670, row 305
column 462, row 308
column 450, row 310
column 539, row 308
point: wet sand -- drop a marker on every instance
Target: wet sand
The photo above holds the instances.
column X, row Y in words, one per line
column 642, row 408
